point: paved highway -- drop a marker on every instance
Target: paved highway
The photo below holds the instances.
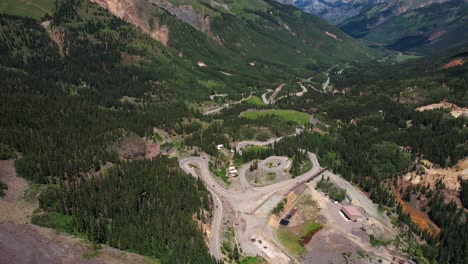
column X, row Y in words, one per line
column 215, row 244
column 247, row 196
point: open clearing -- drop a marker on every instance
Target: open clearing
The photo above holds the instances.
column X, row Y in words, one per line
column 406, row 57
column 455, row 110
column 31, row 8
column 255, row 100
column 287, row 115
column 449, row 176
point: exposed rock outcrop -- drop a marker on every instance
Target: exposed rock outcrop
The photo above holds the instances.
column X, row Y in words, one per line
column 128, row 11
column 187, row 14
column 57, row 35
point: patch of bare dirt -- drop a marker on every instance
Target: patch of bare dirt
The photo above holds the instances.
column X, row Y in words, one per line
column 341, row 240
column 417, row 216
column 127, row 58
column 206, row 229
column 430, row 177
column 448, row 176
column 129, row 11
column 25, row 244
column 13, row 208
column 331, row 35
column 57, row 35
column 152, row 150
column 456, row 111
column 454, row 63
column 160, row 33
column 130, row 147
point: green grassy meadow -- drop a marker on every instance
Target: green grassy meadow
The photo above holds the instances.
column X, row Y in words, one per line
column 287, row 115
column 30, row 8
column 290, row 239
column 255, row 100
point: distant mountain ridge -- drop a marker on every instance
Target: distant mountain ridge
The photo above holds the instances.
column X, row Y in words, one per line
column 423, row 26
column 338, row 11
column 333, row 11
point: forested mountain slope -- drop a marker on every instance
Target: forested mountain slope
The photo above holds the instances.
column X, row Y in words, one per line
column 424, row 26
column 256, row 30
column 333, row 11
column 62, row 95
column 82, row 81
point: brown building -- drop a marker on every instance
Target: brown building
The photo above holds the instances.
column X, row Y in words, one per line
column 352, row 213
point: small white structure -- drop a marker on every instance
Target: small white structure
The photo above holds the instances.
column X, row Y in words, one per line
column 220, row 146
column 232, row 171
column 201, row 64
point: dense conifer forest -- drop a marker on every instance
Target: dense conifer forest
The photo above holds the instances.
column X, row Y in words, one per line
column 142, row 206
column 63, row 106
column 62, row 110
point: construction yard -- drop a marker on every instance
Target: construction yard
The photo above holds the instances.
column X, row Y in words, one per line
column 342, row 240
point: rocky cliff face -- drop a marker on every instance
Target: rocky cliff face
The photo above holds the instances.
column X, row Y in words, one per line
column 129, row 11
column 133, row 12
column 187, row 14
column 248, row 29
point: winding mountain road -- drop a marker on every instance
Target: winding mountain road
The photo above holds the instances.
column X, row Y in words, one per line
column 272, row 99
column 237, row 199
column 243, row 144
column 217, row 110
column 217, row 213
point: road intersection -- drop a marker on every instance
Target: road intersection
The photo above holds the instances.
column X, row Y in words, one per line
column 245, row 201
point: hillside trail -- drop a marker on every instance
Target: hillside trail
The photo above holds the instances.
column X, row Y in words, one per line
column 35, row 5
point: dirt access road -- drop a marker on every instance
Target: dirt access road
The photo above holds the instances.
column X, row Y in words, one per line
column 217, row 110
column 272, row 99
column 243, row 144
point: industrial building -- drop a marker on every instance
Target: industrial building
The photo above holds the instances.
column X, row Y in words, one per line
column 352, row 213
